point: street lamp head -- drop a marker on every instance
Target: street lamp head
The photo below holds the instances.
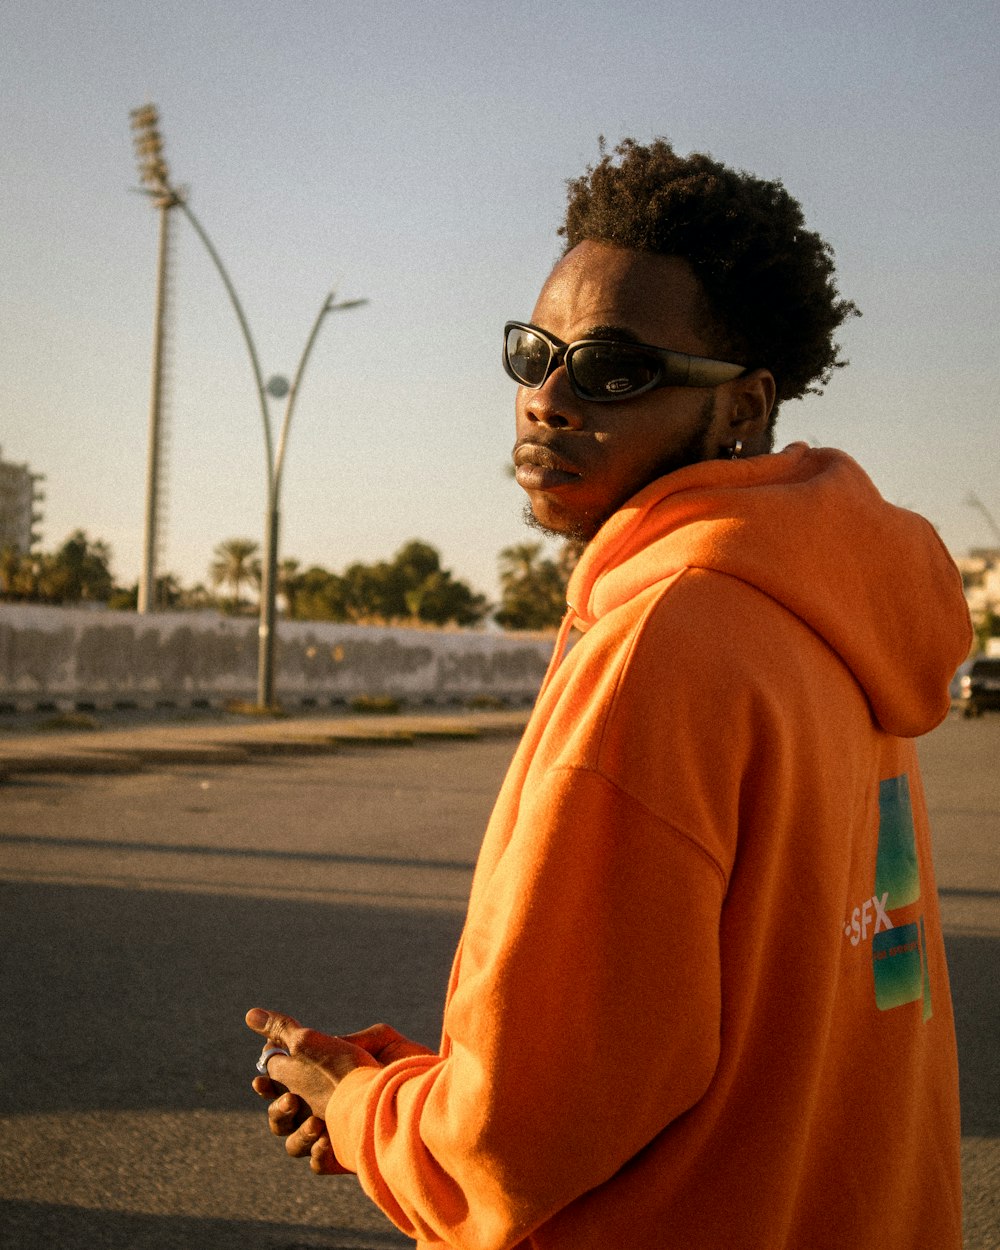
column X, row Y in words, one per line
column 347, row 303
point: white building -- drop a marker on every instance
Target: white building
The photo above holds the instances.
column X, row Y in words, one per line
column 19, row 497
column 980, row 571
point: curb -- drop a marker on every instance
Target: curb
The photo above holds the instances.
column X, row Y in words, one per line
column 15, row 764
column 122, row 750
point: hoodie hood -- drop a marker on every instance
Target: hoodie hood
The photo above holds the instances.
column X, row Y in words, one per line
column 807, row 528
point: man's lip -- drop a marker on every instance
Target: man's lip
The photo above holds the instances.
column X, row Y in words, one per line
column 542, row 457
column 537, row 467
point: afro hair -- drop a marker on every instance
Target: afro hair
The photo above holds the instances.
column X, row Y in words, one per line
column 768, row 281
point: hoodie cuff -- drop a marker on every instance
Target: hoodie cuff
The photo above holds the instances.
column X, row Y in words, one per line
column 347, row 1114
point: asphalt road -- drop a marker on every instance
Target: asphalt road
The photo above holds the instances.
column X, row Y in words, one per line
column 141, row 914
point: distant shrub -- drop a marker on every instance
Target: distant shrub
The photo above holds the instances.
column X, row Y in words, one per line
column 375, row 704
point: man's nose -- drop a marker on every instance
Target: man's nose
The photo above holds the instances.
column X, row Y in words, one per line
column 553, row 405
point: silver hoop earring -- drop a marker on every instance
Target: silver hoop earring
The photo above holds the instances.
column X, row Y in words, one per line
column 736, row 450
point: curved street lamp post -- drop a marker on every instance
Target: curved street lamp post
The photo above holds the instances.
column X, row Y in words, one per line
column 153, row 173
column 269, row 578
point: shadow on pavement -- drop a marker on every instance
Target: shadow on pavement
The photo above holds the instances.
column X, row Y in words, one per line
column 279, row 855
column 43, row 1226
column 135, row 998
column 132, row 1000
column 974, row 971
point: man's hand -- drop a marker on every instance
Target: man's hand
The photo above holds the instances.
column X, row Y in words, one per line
column 386, row 1045
column 300, row 1085
column 301, row 1082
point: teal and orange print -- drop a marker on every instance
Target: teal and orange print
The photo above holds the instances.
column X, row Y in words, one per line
column 899, row 954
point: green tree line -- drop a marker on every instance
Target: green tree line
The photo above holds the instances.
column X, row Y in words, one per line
column 410, row 588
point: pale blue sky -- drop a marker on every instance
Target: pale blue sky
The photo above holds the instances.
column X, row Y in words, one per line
column 416, row 154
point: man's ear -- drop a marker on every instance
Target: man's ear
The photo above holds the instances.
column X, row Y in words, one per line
column 752, row 399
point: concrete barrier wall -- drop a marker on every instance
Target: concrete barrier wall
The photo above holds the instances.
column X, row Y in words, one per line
column 51, row 656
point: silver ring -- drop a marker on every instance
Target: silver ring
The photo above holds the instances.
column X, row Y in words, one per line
column 268, row 1054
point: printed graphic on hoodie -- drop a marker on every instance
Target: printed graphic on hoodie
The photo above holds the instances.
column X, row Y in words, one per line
column 899, row 951
column 899, row 954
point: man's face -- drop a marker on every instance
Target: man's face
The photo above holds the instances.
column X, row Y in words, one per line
column 580, row 461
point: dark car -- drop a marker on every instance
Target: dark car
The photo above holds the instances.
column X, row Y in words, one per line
column 978, row 685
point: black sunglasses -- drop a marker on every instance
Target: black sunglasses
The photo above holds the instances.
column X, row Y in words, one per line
column 605, row 371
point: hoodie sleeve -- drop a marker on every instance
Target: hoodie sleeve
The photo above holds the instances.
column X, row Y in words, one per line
column 584, row 1018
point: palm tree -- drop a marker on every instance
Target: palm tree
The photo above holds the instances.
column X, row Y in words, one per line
column 80, row 569
column 169, row 591
column 235, row 566
column 532, row 589
column 519, row 563
column 10, row 567
column 290, row 585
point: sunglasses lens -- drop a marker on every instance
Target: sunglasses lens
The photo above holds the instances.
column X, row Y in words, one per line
column 527, row 356
column 612, row 370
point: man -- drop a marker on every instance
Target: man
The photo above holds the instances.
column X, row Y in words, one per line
column 700, row 999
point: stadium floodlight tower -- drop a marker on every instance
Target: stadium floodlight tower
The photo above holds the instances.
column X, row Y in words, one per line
column 156, row 183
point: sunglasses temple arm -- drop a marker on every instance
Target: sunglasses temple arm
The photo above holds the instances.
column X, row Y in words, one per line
column 702, row 371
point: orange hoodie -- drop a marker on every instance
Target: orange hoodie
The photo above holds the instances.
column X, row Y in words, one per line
column 700, row 999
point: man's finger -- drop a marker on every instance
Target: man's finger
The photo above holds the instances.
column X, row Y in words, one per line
column 385, row 1044
column 301, row 1142
column 286, row 1115
column 323, row 1161
column 273, row 1025
column 266, row 1088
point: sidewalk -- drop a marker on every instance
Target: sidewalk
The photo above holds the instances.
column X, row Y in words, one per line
column 124, row 747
